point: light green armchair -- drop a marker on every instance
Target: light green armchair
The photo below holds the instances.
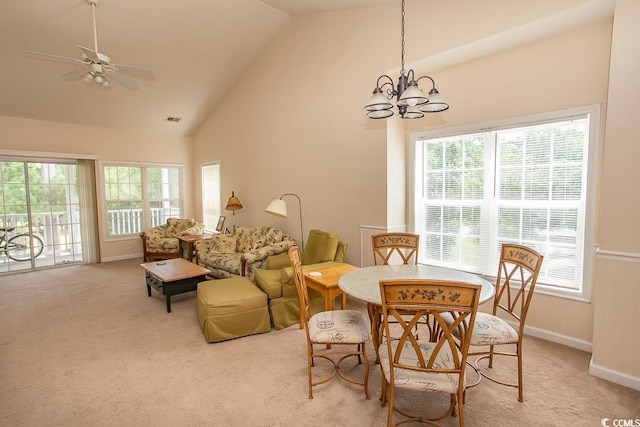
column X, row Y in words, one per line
column 276, row 278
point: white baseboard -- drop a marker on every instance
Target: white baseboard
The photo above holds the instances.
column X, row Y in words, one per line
column 121, row 257
column 614, row 376
column 595, row 370
column 558, row 338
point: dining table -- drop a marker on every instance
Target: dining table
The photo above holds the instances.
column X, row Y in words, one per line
column 364, row 285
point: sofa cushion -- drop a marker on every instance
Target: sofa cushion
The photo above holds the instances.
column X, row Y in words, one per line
column 231, row 263
column 246, row 237
column 273, row 235
column 166, row 244
column 269, row 281
column 321, row 247
column 224, row 243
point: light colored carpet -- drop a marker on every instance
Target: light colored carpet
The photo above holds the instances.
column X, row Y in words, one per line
column 85, row 346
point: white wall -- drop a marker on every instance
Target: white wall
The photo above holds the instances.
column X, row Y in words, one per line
column 616, row 343
column 294, row 121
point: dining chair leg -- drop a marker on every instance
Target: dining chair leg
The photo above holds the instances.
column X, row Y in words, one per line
column 519, row 355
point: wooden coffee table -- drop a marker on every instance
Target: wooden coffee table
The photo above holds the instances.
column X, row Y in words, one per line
column 327, row 283
column 173, row 276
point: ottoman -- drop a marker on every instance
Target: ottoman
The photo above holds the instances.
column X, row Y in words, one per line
column 231, row 308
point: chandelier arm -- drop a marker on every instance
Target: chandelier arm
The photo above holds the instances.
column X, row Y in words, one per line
column 433, row 83
column 380, row 86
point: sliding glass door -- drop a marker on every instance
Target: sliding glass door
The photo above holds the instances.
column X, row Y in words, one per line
column 39, row 203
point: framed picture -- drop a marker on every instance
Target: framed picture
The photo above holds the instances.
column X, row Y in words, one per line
column 220, row 225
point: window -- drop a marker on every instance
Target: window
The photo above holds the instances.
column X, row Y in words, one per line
column 40, row 197
column 523, row 181
column 140, row 197
column 211, row 210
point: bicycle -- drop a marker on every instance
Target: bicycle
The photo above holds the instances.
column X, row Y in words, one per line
column 18, row 247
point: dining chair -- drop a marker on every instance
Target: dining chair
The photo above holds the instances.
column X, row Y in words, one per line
column 410, row 363
column 392, row 248
column 518, row 271
column 334, row 335
column 389, row 248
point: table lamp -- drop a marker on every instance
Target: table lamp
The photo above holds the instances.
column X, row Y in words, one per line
column 233, row 205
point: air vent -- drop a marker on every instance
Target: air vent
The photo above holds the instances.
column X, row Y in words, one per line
column 174, row 119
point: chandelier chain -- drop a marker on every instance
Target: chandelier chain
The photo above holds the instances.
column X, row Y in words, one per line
column 402, row 70
column 411, row 101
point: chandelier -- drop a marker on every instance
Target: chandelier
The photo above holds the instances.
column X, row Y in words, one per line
column 412, row 102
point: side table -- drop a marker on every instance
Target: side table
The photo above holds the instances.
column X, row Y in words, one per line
column 186, row 245
column 324, row 279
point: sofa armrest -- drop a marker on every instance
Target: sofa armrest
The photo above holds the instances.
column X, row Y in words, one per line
column 277, row 262
column 266, row 251
column 158, row 232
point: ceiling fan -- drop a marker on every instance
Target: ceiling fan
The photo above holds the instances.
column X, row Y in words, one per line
column 97, row 67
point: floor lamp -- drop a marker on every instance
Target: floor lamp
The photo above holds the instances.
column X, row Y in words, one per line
column 278, row 207
column 233, row 205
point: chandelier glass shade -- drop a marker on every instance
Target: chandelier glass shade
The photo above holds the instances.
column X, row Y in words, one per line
column 411, row 102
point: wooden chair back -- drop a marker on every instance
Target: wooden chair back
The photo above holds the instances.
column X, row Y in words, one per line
column 298, row 277
column 437, row 299
column 518, row 271
column 393, row 248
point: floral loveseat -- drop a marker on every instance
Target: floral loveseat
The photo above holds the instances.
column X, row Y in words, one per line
column 162, row 242
column 241, row 253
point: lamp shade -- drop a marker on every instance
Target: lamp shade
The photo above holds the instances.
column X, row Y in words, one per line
column 378, row 102
column 413, row 113
column 277, row 207
column 435, row 104
column 412, row 96
column 234, row 203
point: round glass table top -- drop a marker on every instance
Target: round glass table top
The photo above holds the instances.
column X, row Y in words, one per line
column 364, row 283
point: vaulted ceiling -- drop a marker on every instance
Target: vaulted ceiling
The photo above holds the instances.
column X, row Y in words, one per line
column 196, row 48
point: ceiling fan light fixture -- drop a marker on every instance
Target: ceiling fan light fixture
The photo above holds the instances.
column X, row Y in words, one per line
column 99, row 64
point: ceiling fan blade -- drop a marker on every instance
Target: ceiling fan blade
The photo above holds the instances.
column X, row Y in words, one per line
column 49, row 57
column 90, row 53
column 134, row 71
column 75, row 74
column 124, row 81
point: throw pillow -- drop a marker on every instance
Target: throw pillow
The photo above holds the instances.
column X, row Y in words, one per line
column 244, row 239
column 224, row 243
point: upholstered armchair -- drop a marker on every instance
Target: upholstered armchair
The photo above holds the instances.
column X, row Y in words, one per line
column 276, row 278
column 162, row 242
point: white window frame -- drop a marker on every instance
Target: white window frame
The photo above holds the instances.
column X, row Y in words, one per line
column 146, row 202
column 211, row 195
column 593, row 112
